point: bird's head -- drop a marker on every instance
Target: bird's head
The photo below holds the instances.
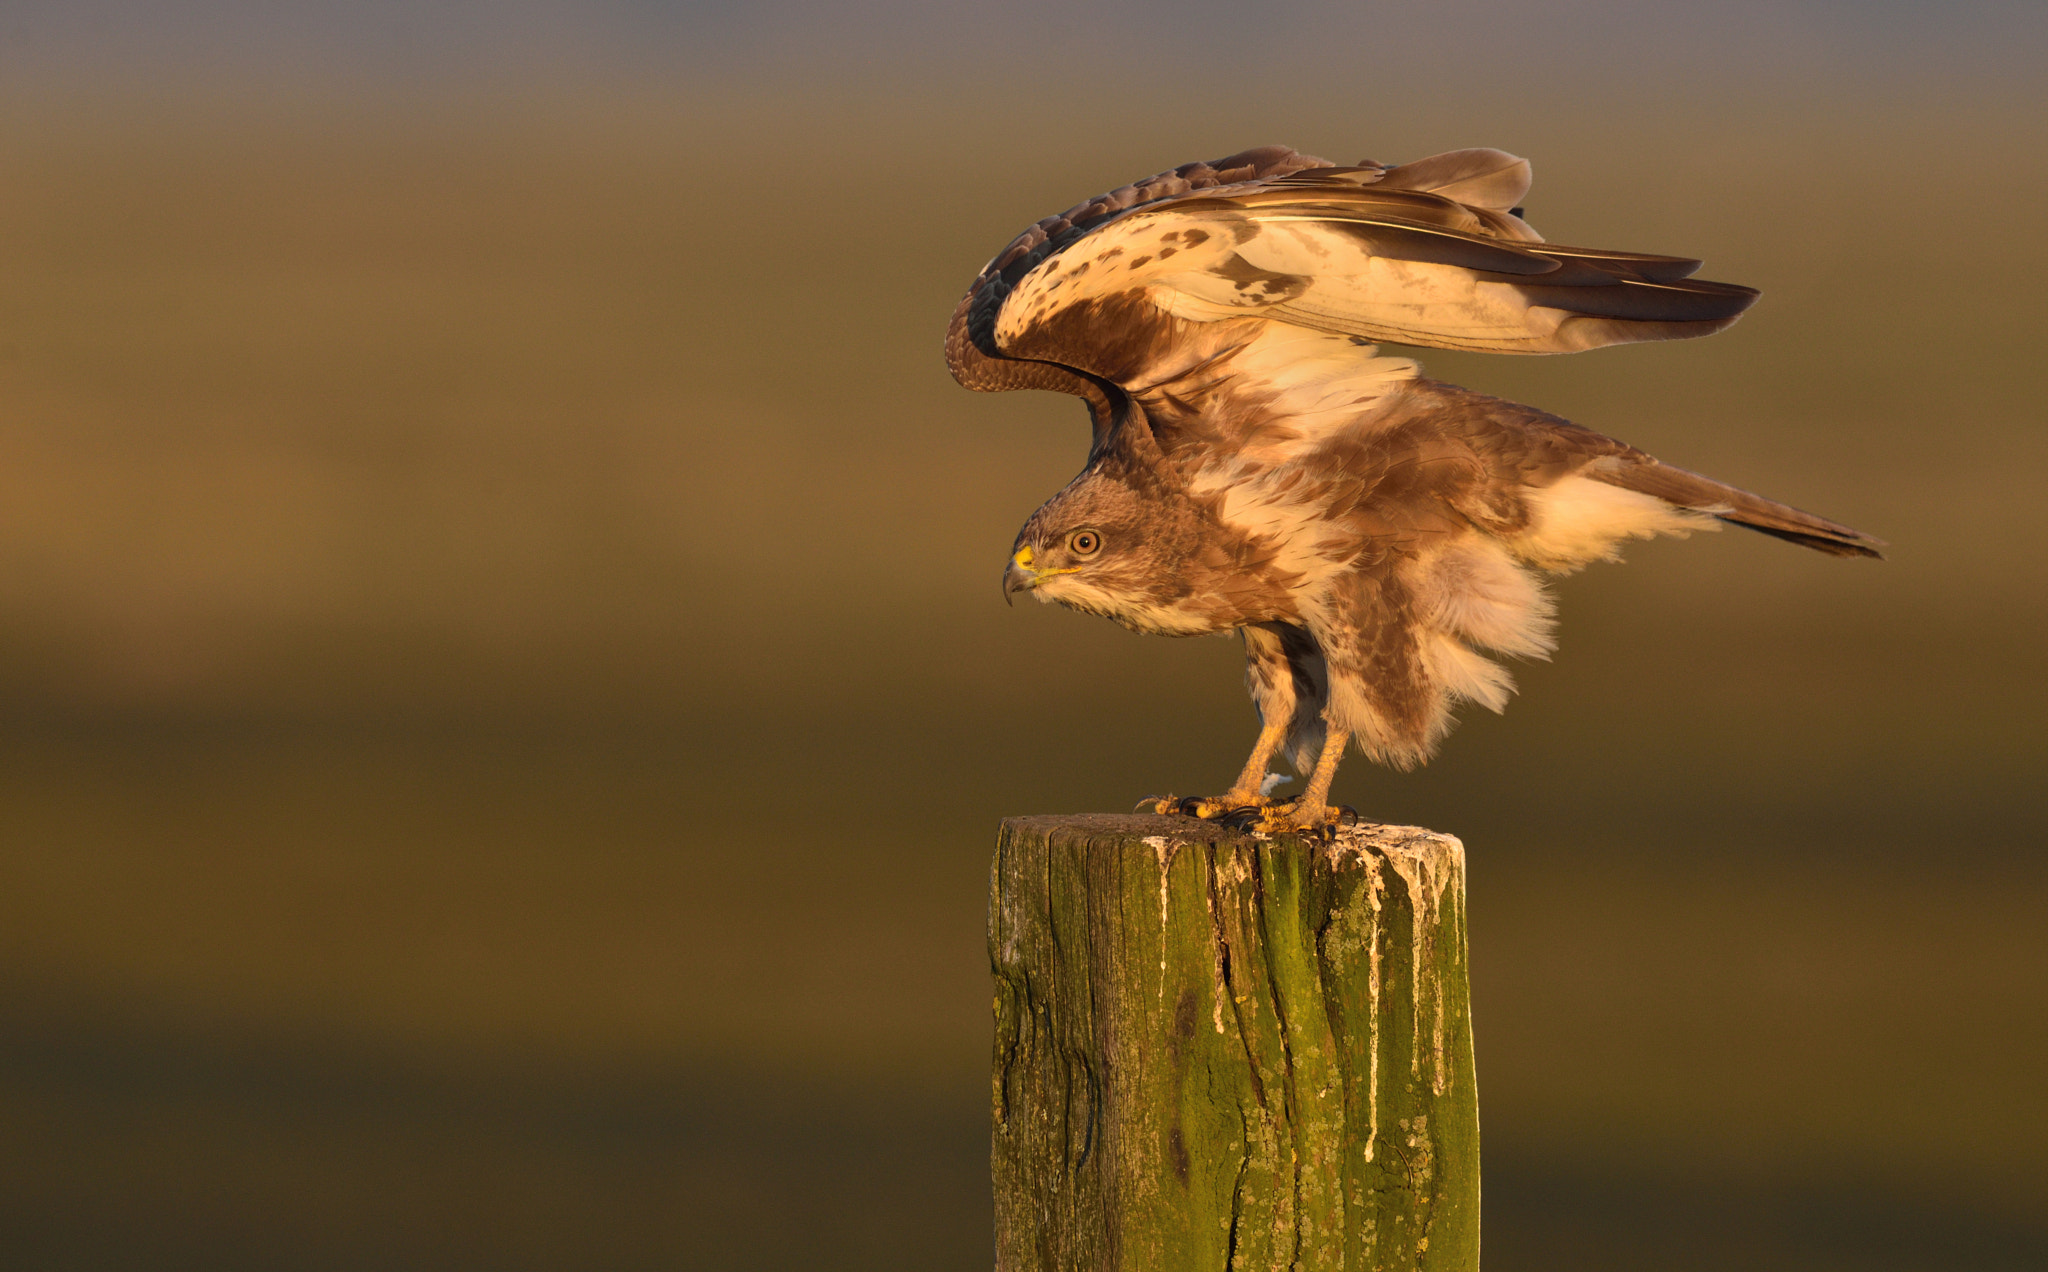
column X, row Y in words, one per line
column 1085, row 548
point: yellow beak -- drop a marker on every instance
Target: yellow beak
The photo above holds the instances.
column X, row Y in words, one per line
column 1019, row 576
column 1022, row 576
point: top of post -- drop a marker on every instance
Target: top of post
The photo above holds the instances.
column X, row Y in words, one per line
column 1433, row 853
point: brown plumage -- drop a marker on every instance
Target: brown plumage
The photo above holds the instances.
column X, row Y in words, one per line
column 1258, row 466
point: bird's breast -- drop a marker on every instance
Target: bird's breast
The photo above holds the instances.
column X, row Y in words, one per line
column 1172, row 610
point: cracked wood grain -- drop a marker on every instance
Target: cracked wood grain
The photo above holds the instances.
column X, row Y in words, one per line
column 1220, row 1052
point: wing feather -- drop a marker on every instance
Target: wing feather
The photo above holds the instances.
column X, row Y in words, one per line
column 1189, row 277
column 1492, row 179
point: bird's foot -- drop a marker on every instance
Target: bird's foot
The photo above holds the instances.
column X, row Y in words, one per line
column 1239, row 810
column 1242, row 810
column 1315, row 821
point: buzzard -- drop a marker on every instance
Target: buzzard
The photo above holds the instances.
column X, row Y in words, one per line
column 1260, row 467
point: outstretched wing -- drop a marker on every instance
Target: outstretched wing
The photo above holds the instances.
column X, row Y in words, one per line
column 1264, row 272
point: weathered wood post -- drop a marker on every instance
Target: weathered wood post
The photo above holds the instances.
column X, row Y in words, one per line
column 1219, row 1052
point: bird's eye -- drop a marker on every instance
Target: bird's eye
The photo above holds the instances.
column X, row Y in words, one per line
column 1084, row 543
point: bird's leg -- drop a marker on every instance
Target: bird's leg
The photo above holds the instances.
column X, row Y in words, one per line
column 1250, row 787
column 1277, row 687
column 1312, row 811
column 1246, row 793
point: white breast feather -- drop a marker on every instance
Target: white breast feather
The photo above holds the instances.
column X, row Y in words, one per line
column 1183, row 619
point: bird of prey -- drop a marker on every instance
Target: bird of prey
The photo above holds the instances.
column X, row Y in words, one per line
column 1260, row 467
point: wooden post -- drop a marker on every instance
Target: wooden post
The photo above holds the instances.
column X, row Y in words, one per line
column 1220, row 1052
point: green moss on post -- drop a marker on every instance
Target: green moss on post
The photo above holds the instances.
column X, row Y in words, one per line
column 1218, row 1052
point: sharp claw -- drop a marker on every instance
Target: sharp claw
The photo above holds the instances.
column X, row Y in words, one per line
column 1347, row 815
column 1235, row 816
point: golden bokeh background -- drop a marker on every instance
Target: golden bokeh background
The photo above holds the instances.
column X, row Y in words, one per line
column 504, row 703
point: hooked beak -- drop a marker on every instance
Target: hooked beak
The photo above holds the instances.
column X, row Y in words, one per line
column 1023, row 575
column 1019, row 576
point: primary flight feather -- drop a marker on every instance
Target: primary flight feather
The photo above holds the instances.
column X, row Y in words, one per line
column 1259, row 466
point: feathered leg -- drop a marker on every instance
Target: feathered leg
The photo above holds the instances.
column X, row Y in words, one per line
column 1284, row 688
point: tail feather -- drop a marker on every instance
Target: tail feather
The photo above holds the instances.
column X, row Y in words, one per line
column 1704, row 494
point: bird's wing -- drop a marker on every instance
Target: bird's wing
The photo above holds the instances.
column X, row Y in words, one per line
column 1266, row 271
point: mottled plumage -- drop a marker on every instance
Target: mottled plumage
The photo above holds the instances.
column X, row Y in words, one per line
column 1259, row 466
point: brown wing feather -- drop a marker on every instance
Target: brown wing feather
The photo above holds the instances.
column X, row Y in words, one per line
column 1293, row 239
column 1481, row 178
column 973, row 326
column 1521, row 449
column 1641, row 473
column 1640, row 290
column 971, row 352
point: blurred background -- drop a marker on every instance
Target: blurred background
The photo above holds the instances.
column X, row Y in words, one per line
column 505, row 707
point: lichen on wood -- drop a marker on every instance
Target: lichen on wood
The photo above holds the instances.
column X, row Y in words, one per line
column 1215, row 1051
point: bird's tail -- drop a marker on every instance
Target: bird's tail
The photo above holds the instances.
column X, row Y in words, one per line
column 1704, row 494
